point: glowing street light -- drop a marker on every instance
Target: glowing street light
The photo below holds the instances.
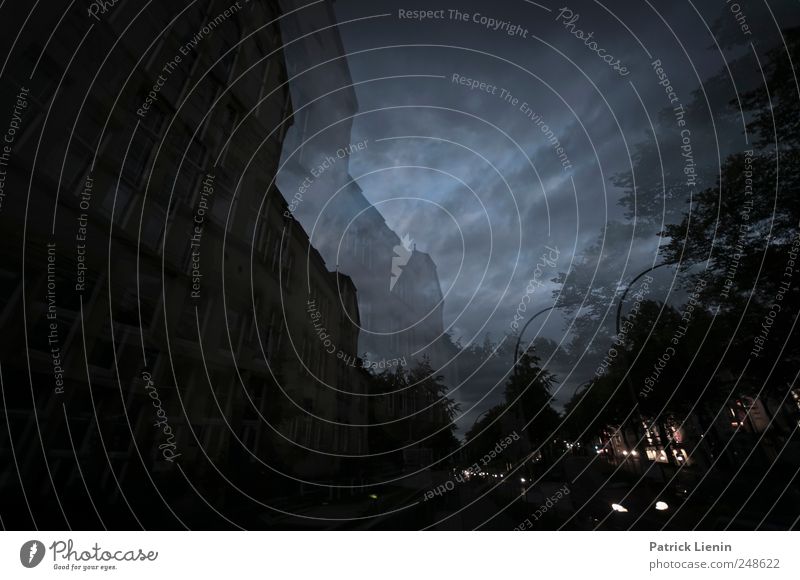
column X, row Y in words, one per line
column 619, row 508
column 661, row 506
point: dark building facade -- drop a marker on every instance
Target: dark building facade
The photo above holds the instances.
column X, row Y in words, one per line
column 160, row 355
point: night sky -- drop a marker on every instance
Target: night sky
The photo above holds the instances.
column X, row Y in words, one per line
column 473, row 176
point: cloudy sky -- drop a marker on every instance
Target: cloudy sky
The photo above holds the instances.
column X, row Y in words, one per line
column 473, row 177
column 471, row 164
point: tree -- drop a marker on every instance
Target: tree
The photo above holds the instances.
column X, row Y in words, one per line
column 745, row 231
column 528, row 396
column 431, row 392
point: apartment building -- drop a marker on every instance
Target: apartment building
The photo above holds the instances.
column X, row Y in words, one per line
column 161, row 355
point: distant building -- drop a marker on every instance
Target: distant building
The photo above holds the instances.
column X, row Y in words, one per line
column 349, row 231
column 399, row 295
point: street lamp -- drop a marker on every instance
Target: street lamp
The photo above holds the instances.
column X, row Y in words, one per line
column 631, row 391
column 478, row 418
column 519, row 338
column 630, row 285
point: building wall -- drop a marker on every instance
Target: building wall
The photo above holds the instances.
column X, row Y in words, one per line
column 146, row 354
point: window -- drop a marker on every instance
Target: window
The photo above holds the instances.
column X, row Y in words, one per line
column 286, row 268
column 188, row 324
column 228, row 64
column 224, row 203
column 102, row 354
column 202, row 99
column 138, row 158
column 274, row 252
column 304, row 350
column 117, row 201
column 76, row 167
column 262, row 237
column 274, row 334
column 235, row 323
column 156, row 119
column 186, row 182
column 198, row 152
column 230, row 117
column 10, row 289
column 263, row 90
column 152, row 230
column 144, row 299
column 366, row 315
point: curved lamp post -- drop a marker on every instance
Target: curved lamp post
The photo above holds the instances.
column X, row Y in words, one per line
column 519, row 338
column 619, row 318
column 630, row 285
